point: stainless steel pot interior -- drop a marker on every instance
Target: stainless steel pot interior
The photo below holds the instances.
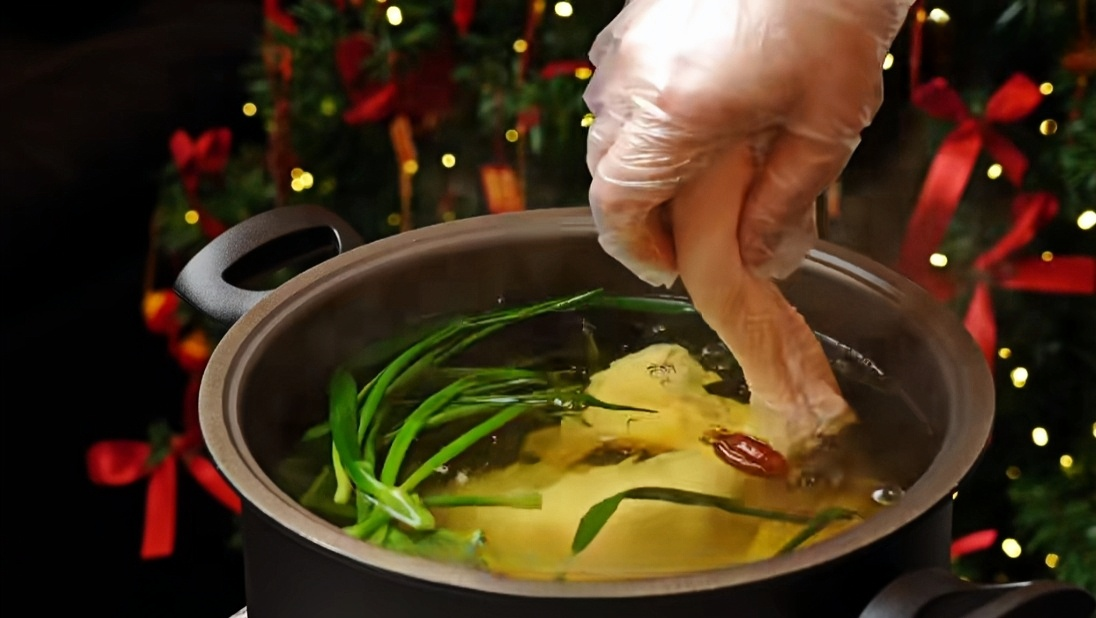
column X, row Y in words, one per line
column 266, row 380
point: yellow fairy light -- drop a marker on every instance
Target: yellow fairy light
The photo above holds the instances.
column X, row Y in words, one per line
column 520, row 46
column 191, row 216
column 250, row 109
column 994, row 171
column 1066, row 461
column 1004, row 352
column 1012, row 472
column 1086, row 220
column 1051, row 560
column 306, row 180
column 1047, row 256
column 511, row 135
column 588, row 119
column 938, row 260
column 410, row 167
column 297, row 185
column 394, row 15
column 328, row 106
column 939, row 16
column 1046, row 87
column 394, row 219
column 295, row 173
column 1011, row 547
column 327, row 186
column 564, row 9
column 448, row 160
column 1019, row 377
column 955, row 495
column 888, row 61
column 1039, row 436
column 448, row 215
column 1048, row 127
column 583, row 72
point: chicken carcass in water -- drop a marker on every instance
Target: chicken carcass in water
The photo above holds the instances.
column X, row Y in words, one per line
column 788, row 373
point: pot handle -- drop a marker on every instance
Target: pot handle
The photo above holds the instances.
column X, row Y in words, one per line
column 278, row 237
column 937, row 593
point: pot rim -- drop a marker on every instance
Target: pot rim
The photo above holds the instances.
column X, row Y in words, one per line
column 219, row 396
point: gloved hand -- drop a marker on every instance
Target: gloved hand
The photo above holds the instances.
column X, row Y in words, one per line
column 677, row 82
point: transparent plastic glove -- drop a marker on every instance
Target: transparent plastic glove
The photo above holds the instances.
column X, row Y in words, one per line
column 678, row 81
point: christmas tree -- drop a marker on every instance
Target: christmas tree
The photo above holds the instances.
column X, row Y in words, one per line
column 402, row 113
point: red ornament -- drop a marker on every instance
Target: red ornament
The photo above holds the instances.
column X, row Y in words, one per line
column 158, row 308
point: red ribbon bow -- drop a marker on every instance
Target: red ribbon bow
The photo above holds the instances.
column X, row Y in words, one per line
column 194, row 158
column 1059, row 275
column 275, row 14
column 122, row 462
column 951, row 168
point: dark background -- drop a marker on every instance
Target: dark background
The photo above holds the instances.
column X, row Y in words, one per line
column 89, row 96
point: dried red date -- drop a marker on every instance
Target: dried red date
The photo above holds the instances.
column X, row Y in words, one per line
column 748, row 454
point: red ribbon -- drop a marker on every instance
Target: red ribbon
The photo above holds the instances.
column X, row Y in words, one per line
column 973, row 542
column 122, row 462
column 276, row 15
column 1060, row 275
column 464, row 11
column 197, row 158
column 951, row 168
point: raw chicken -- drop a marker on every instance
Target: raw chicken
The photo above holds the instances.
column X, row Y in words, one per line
column 782, row 360
column 643, row 538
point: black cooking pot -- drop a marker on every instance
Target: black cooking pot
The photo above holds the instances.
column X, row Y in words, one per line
column 267, row 378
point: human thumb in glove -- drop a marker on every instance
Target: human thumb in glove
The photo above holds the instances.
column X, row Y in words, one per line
column 679, row 81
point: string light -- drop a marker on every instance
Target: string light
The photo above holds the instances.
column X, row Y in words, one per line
column 511, row 135
column 1086, row 220
column 1046, row 88
column 250, row 109
column 1012, row 472
column 938, row 260
column 1004, row 352
column 888, row 61
column 1051, row 560
column 588, row 119
column 394, row 219
column 1019, row 377
column 448, row 160
column 191, row 216
column 939, row 16
column 1048, row 127
column 994, row 171
column 1047, row 256
column 300, row 179
column 328, row 106
column 520, row 46
column 564, row 9
column 1066, row 461
column 394, row 15
column 1011, row 547
column 448, row 215
column 327, row 186
column 410, row 167
column 955, row 495
column 583, row 72
column 1039, row 436
column 1094, row 430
